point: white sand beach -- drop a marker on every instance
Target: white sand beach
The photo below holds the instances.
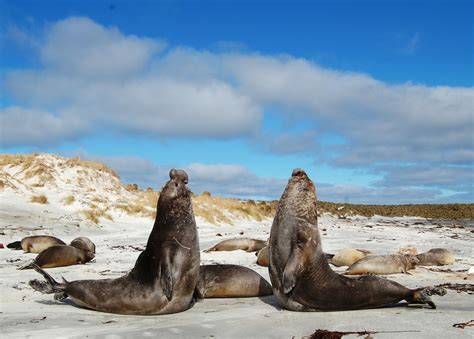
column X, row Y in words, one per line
column 27, row 313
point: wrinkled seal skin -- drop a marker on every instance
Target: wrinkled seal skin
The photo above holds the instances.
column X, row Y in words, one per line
column 383, row 264
column 230, row 281
column 301, row 277
column 436, row 257
column 165, row 274
column 245, row 244
column 35, row 243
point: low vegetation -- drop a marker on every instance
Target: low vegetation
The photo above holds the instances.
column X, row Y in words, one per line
column 69, row 200
column 432, row 211
column 39, row 199
column 94, row 213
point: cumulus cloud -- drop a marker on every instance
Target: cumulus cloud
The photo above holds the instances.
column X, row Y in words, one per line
column 92, row 76
column 20, row 126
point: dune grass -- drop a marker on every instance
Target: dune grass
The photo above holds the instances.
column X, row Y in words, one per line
column 39, row 199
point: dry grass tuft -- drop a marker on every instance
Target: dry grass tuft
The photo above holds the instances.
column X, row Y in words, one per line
column 145, row 204
column 39, row 199
column 224, row 210
column 69, row 200
column 2, row 184
column 89, row 164
column 94, row 214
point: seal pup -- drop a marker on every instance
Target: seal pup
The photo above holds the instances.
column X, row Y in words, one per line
column 35, row 243
column 245, row 244
column 83, row 243
column 348, row 256
column 301, row 277
column 383, row 264
column 230, row 281
column 59, row 256
column 165, row 274
column 436, row 257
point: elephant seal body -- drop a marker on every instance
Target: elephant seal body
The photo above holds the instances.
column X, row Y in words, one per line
column 230, row 281
column 348, row 256
column 61, row 255
column 245, row 244
column 83, row 243
column 35, row 243
column 410, row 249
column 436, row 257
column 165, row 274
column 301, row 277
column 383, row 264
column 263, row 256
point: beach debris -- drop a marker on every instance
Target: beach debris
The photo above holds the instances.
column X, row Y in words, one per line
column 466, row 324
column 468, row 288
column 471, row 270
column 325, row 334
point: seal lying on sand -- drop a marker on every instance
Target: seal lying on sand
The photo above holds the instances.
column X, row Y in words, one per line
column 230, row 281
column 301, row 277
column 165, row 274
column 348, row 256
column 35, row 243
column 262, row 256
column 84, row 244
column 245, row 244
column 383, row 264
column 59, row 256
column 436, row 257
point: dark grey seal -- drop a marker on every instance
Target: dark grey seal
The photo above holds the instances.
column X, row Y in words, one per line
column 165, row 274
column 301, row 277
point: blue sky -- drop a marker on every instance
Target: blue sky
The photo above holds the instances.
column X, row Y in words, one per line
column 372, row 98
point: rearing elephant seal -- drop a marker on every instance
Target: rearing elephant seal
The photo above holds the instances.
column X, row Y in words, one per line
column 301, row 277
column 35, row 243
column 230, row 281
column 383, row 264
column 165, row 274
column 436, row 257
column 245, row 244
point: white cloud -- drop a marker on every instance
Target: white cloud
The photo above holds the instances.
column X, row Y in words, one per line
column 81, row 47
column 20, row 126
column 94, row 76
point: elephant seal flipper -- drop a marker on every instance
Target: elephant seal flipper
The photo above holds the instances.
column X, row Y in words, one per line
column 301, row 277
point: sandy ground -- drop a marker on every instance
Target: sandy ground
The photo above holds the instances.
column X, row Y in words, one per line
column 27, row 313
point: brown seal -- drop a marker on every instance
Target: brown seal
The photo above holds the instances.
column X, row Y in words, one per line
column 301, row 277
column 165, row 274
column 61, row 255
column 262, row 256
column 84, row 244
column 230, row 281
column 436, row 257
column 35, row 243
column 264, row 253
column 383, row 264
column 410, row 249
column 348, row 256
column 245, row 244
